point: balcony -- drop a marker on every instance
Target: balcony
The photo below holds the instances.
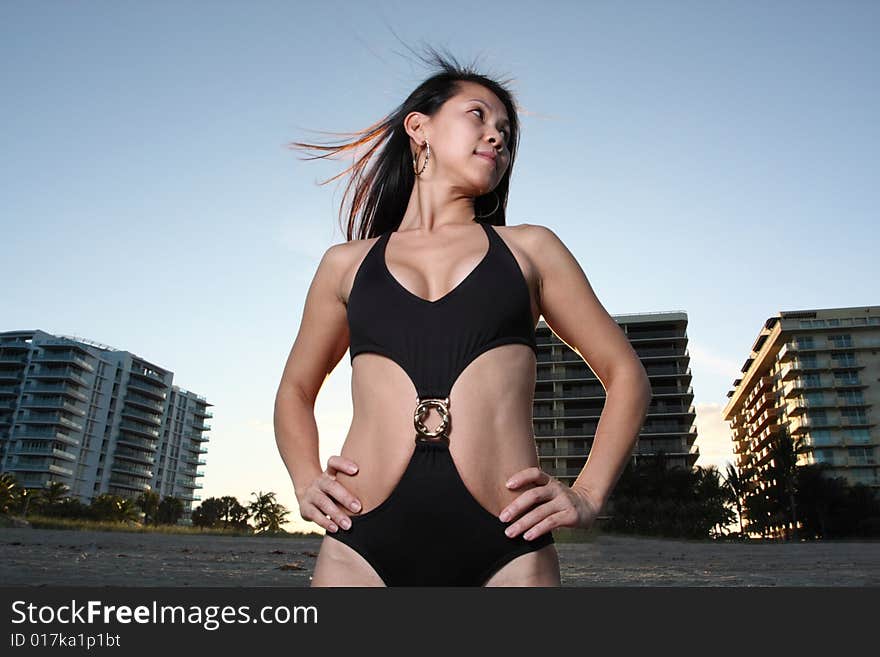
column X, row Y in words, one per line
column 64, row 357
column 149, row 375
column 134, row 455
column 68, row 373
column 139, row 429
column 198, row 426
column 137, row 443
column 41, row 467
column 131, row 470
column 15, row 345
column 59, row 403
column 123, row 481
column 144, row 402
column 63, row 388
column 28, row 417
column 148, row 418
column 146, row 389
column 48, row 450
column 845, row 364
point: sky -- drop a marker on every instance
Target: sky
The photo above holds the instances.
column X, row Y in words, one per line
column 716, row 158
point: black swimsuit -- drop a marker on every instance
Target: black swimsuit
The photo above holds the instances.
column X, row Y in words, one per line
column 431, row 531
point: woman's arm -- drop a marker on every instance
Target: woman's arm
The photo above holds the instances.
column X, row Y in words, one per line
column 574, row 313
column 319, row 345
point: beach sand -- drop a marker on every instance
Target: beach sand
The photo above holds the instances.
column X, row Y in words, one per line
column 49, row 557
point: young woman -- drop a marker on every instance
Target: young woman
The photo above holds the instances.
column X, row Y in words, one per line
column 438, row 481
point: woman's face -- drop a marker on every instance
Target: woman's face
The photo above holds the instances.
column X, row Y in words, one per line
column 471, row 122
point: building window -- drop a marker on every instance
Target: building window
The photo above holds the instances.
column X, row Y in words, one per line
column 804, row 342
column 822, row 437
column 846, row 378
column 861, row 455
column 847, row 359
column 850, row 397
column 824, row 455
column 857, row 435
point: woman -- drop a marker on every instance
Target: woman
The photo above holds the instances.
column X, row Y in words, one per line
column 438, row 482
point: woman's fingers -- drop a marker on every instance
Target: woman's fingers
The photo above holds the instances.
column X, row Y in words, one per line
column 551, row 521
column 533, row 474
column 563, row 507
column 325, row 492
column 525, row 501
column 339, row 463
column 341, row 494
column 333, row 518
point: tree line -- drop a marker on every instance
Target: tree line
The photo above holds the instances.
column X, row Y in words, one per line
column 786, row 500
column 263, row 514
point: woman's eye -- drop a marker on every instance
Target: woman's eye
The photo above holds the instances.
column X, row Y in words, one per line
column 477, row 109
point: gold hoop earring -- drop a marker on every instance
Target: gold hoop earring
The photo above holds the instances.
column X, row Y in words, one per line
column 497, row 205
column 416, row 159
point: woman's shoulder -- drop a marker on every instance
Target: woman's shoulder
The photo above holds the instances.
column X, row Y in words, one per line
column 528, row 236
column 526, row 230
column 344, row 254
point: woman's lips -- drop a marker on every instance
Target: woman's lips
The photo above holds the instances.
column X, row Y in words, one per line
column 486, row 157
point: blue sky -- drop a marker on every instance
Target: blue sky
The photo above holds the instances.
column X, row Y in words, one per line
column 714, row 157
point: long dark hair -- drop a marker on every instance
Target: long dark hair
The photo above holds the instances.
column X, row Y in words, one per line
column 383, row 176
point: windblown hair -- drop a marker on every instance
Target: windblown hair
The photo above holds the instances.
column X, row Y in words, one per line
column 383, row 177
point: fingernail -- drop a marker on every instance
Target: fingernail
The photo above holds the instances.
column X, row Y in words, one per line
column 333, row 528
column 509, row 531
column 510, row 483
column 528, row 534
column 504, row 516
column 346, row 523
column 355, row 505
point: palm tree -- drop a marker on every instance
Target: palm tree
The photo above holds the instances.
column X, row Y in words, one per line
column 114, row 508
column 148, row 501
column 170, row 510
column 735, row 485
column 232, row 512
column 785, row 453
column 8, row 492
column 53, row 496
column 25, row 497
column 267, row 513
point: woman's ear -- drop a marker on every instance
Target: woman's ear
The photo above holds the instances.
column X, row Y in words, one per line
column 414, row 125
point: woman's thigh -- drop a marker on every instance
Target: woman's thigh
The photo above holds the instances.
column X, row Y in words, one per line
column 538, row 568
column 340, row 565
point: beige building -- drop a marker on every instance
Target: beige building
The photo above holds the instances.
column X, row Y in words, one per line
column 814, row 374
column 569, row 397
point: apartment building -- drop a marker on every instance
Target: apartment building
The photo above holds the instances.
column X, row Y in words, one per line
column 98, row 419
column 569, row 397
column 814, row 374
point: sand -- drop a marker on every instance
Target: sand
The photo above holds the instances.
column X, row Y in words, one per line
column 48, row 557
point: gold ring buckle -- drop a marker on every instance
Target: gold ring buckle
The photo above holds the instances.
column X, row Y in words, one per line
column 422, row 409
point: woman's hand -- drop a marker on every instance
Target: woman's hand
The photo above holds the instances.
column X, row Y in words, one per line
column 563, row 506
column 316, row 503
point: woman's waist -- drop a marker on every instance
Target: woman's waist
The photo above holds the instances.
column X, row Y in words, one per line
column 442, row 413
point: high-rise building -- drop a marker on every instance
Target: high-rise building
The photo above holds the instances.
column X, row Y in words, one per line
column 97, row 419
column 569, row 397
column 813, row 375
